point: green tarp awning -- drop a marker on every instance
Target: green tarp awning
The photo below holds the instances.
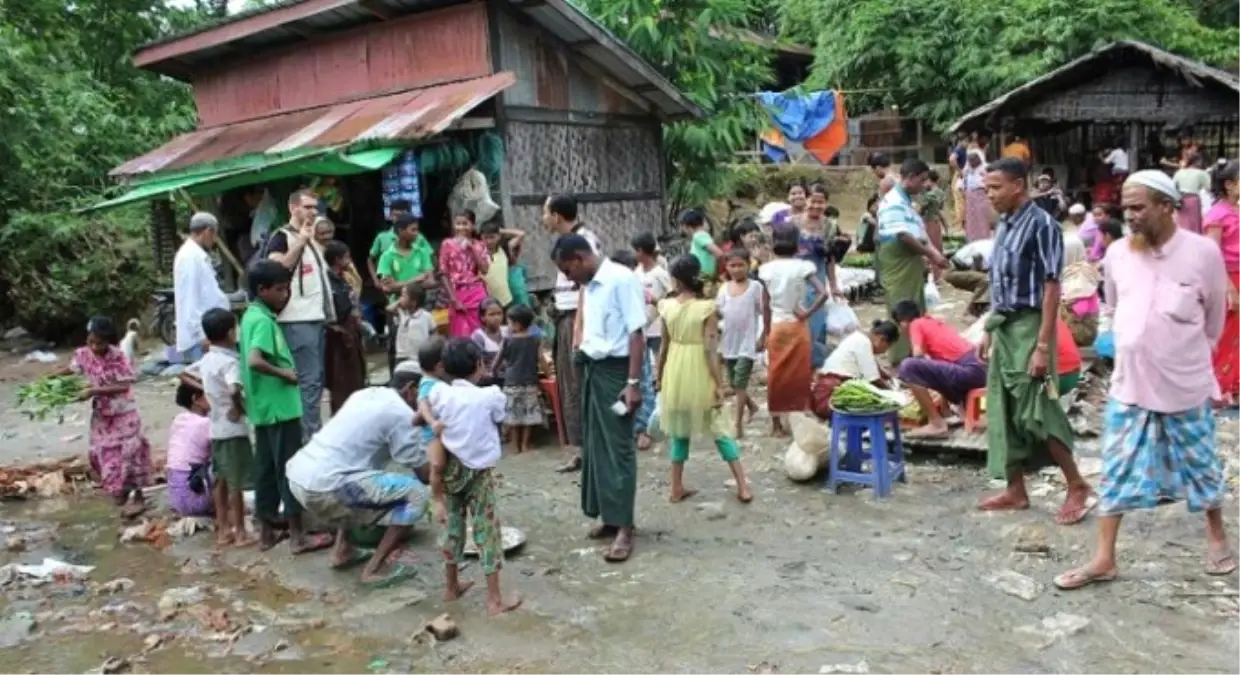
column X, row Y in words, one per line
column 258, row 169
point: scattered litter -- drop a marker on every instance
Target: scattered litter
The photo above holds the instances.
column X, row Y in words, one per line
column 174, row 599
column 186, row 527
column 859, row 668
column 113, row 664
column 41, row 356
column 764, row 668
column 153, row 531
column 114, row 586
column 43, row 479
column 1055, row 627
column 377, row 665
column 49, row 570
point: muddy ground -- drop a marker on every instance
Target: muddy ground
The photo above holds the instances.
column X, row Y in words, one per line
column 797, row 581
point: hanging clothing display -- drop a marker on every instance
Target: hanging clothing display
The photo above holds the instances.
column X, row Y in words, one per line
column 401, row 181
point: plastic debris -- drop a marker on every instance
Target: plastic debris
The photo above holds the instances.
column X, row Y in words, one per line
column 49, row 570
column 41, row 356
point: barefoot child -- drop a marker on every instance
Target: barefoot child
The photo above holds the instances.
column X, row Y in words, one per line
column 119, row 452
column 189, row 454
column 219, row 372
column 744, row 336
column 789, row 346
column 520, row 359
column 462, row 483
column 691, row 381
column 273, row 403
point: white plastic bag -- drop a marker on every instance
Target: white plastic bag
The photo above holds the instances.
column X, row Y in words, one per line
column 473, row 193
column 810, row 434
column 841, row 319
column 932, row 294
column 799, row 465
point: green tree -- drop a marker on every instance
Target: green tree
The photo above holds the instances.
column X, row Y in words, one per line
column 937, row 59
column 694, row 44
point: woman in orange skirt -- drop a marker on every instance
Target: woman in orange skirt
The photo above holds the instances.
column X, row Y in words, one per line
column 1222, row 224
column 788, row 347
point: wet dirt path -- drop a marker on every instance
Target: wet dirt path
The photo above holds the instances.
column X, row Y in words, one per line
column 798, row 580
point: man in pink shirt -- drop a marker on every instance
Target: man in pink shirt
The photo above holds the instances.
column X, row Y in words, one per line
column 1168, row 291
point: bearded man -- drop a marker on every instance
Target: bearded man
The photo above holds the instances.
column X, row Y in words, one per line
column 1167, row 288
column 1027, row 428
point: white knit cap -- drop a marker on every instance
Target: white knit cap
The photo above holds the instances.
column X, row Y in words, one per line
column 1155, row 180
column 1077, row 209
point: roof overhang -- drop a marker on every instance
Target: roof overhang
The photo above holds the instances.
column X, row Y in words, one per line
column 384, row 121
column 1194, row 72
column 297, row 21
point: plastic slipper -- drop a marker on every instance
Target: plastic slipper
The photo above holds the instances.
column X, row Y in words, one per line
column 314, row 542
column 359, row 557
column 1221, row 565
column 618, row 554
column 1082, row 577
column 396, row 574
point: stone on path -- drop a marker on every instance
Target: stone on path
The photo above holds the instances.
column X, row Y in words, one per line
column 442, row 628
column 1015, row 584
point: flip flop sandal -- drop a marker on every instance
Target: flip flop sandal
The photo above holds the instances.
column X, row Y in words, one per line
column 1082, row 577
column 360, row 556
column 314, row 542
column 1090, row 502
column 618, row 554
column 1221, row 566
column 280, row 535
column 398, row 573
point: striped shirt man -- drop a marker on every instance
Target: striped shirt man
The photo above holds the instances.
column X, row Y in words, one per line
column 1028, row 253
column 896, row 215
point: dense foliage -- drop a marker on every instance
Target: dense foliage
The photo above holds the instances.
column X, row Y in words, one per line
column 937, row 59
column 695, row 44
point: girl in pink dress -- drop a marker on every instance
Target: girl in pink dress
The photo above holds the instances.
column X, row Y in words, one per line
column 463, row 260
column 119, row 452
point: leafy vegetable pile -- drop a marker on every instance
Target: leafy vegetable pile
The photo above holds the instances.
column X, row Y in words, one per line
column 50, row 395
column 854, row 396
column 862, row 260
column 911, row 412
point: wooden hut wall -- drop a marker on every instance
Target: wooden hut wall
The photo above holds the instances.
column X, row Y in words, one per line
column 614, row 170
column 1134, row 93
column 569, row 129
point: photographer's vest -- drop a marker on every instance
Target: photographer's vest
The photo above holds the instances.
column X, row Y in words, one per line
column 309, row 295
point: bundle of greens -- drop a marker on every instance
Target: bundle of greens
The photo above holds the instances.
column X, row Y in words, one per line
column 861, row 260
column 50, row 395
column 855, row 396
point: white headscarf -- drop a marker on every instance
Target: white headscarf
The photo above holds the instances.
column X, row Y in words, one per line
column 1155, row 180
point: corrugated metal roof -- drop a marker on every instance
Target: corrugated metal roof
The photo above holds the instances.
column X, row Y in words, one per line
column 279, row 24
column 405, row 116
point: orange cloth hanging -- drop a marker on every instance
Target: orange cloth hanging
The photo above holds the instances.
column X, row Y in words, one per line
column 828, row 143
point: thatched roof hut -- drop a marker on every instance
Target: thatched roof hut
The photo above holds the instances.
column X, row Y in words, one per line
column 1122, row 82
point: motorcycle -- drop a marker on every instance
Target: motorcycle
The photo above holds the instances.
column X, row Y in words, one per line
column 166, row 315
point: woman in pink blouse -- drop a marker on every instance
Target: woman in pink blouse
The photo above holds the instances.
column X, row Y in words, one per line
column 1222, row 224
column 463, row 260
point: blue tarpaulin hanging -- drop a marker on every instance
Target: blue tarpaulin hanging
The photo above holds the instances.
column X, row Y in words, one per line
column 798, row 117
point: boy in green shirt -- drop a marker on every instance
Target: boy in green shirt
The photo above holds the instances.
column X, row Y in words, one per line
column 702, row 246
column 385, row 238
column 273, row 404
column 409, row 259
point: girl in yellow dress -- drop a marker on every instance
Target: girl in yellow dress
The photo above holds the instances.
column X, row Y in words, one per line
column 690, row 377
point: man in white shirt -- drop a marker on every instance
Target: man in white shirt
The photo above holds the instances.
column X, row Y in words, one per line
column 612, row 351
column 560, row 217
column 341, row 476
column 1117, row 159
column 195, row 285
column 304, row 319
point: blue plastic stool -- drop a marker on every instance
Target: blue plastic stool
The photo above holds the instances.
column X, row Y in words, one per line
column 884, row 466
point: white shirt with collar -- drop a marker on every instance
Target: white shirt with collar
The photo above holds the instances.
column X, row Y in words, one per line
column 197, row 290
column 470, row 415
column 614, row 308
column 565, row 293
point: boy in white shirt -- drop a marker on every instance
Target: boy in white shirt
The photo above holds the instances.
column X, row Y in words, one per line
column 218, row 374
column 414, row 325
column 467, row 419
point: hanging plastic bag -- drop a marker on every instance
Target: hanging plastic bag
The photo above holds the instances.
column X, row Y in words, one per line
column 266, row 215
column 932, row 294
column 473, row 193
column 841, row 319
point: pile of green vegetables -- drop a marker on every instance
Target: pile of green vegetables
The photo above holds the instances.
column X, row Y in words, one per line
column 911, row 412
column 862, row 260
column 50, row 395
column 855, row 396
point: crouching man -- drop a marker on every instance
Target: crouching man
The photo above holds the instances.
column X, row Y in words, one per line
column 340, row 477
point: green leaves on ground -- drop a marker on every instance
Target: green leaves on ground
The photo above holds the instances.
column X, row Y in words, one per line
column 49, row 395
